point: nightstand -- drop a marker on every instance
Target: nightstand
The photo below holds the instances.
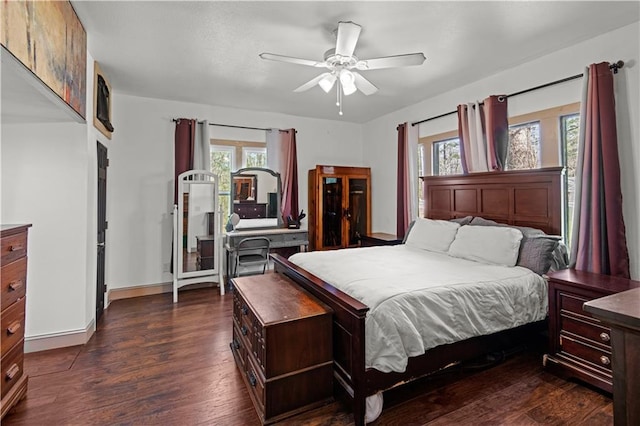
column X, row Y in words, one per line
column 579, row 344
column 379, row 239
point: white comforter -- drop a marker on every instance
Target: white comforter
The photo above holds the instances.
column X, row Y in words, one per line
column 420, row 299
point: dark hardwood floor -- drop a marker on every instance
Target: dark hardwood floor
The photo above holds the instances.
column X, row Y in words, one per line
column 153, row 362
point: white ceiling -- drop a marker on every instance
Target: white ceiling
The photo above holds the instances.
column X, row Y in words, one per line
column 207, row 52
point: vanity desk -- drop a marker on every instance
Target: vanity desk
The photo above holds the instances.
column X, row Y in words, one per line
column 278, row 238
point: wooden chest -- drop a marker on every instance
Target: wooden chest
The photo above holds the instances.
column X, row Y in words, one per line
column 13, row 242
column 579, row 344
column 282, row 344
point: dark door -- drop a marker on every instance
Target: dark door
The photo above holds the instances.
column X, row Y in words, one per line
column 103, row 162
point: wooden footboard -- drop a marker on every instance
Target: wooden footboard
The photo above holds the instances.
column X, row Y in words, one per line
column 348, row 331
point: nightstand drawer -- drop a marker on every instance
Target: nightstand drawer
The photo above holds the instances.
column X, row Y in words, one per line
column 573, row 303
column 596, row 356
column 586, row 329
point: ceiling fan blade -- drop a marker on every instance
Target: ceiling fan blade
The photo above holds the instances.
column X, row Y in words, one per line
column 391, row 61
column 348, row 33
column 292, row 60
column 309, row 84
column 364, row 85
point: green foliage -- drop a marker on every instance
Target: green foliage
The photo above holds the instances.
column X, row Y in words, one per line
column 524, row 147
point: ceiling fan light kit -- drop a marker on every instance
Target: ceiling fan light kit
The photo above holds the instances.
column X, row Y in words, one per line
column 342, row 63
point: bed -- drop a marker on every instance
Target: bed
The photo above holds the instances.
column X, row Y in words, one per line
column 522, row 198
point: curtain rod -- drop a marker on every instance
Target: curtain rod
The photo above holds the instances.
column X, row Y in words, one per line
column 175, row 120
column 615, row 67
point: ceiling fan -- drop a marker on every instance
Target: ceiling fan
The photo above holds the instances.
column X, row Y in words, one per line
column 343, row 65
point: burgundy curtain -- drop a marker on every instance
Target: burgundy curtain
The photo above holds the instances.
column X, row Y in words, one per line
column 289, row 167
column 598, row 241
column 184, row 147
column 483, row 129
column 497, row 131
column 402, row 210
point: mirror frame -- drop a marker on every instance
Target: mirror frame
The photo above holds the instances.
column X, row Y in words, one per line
column 196, row 177
column 252, row 171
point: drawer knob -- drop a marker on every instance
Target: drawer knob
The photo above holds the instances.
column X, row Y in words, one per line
column 15, row 285
column 605, row 337
column 605, row 360
column 12, row 371
column 17, row 247
column 244, row 310
column 13, row 328
column 236, row 345
column 252, row 379
column 243, row 330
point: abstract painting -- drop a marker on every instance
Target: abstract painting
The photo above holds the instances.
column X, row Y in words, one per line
column 49, row 39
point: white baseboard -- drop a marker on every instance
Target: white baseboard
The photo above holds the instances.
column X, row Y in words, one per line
column 143, row 290
column 63, row 339
column 147, row 290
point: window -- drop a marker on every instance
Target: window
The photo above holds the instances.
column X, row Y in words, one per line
column 228, row 156
column 222, row 159
column 524, row 146
column 421, row 172
column 446, row 157
column 570, row 131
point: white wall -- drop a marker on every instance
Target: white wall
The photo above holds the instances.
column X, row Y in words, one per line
column 140, row 176
column 380, row 137
column 44, row 170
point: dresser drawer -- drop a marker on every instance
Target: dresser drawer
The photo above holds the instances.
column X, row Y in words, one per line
column 586, row 329
column 275, row 239
column 14, row 281
column 12, row 364
column 13, row 247
column 596, row 356
column 12, row 325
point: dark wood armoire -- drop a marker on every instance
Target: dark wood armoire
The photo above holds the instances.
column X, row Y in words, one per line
column 339, row 206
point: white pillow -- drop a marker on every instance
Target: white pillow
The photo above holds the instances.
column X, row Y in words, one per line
column 432, row 235
column 488, row 244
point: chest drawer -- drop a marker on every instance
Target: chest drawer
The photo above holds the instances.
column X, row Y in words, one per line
column 12, row 364
column 12, row 325
column 14, row 281
column 13, row 247
column 586, row 329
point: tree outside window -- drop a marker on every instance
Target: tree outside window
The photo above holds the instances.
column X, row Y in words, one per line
column 221, row 164
column 570, row 125
column 254, row 157
column 446, row 157
column 524, row 146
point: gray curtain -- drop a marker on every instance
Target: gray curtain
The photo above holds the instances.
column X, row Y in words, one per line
column 201, row 149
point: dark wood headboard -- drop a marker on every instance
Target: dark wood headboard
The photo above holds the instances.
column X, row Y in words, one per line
column 523, row 197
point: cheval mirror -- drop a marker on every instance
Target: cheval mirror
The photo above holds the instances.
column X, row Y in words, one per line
column 256, row 198
column 197, row 231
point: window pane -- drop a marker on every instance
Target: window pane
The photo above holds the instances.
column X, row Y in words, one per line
column 570, row 135
column 254, row 157
column 446, row 156
column 221, row 161
column 421, row 160
column 524, row 146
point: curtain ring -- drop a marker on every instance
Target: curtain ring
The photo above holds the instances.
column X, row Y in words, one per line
column 501, row 98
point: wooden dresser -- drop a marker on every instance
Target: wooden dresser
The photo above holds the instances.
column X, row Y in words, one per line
column 282, row 344
column 579, row 344
column 250, row 210
column 14, row 285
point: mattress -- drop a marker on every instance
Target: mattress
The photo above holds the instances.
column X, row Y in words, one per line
column 420, row 299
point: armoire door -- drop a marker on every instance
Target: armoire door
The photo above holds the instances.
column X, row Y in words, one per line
column 356, row 210
column 332, row 229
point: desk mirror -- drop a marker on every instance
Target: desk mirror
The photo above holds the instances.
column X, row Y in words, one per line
column 256, row 198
